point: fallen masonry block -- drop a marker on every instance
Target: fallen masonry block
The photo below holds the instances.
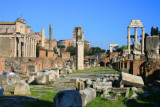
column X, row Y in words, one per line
column 87, row 95
column 132, row 80
column 68, row 98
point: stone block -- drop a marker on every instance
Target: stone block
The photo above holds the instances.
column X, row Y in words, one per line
column 22, row 88
column 132, row 80
column 31, row 68
column 87, row 95
column 68, row 98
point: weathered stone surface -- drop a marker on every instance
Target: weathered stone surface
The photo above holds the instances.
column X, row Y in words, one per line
column 68, row 98
column 22, row 88
column 65, row 71
column 105, row 94
column 132, row 80
column 31, row 68
column 127, row 93
column 47, row 77
column 1, row 91
column 152, row 46
column 9, row 79
column 41, row 79
column 31, row 79
column 87, row 95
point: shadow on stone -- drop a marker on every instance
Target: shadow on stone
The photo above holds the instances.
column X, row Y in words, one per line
column 23, row 101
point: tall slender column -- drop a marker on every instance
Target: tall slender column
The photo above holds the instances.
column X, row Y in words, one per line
column 32, row 47
column 129, row 40
column 24, row 47
column 35, row 48
column 42, row 37
column 29, row 47
column 50, row 37
column 15, row 47
column 135, row 34
column 19, row 48
column 143, row 36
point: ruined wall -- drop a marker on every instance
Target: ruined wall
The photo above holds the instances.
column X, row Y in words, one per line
column 42, row 53
column 7, row 29
column 136, row 66
column 50, row 54
column 66, row 55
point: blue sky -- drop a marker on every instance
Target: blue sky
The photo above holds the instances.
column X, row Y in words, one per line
column 103, row 21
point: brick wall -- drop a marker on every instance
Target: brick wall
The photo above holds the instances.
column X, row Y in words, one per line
column 42, row 53
column 66, row 55
column 50, row 54
column 136, row 66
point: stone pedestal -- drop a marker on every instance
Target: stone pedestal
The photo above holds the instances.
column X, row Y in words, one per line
column 42, row 53
column 50, row 54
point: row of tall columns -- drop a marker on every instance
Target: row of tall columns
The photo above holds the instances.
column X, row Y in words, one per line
column 142, row 44
column 28, row 49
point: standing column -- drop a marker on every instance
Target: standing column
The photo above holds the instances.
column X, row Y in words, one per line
column 32, row 47
column 50, row 37
column 143, row 36
column 129, row 40
column 135, row 34
column 42, row 37
column 15, row 47
column 35, row 48
column 29, row 44
column 19, row 48
column 24, row 47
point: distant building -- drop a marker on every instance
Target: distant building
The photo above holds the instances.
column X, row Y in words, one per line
column 16, row 40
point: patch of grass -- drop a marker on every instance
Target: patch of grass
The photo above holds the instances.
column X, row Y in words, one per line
column 140, row 102
column 97, row 70
column 45, row 100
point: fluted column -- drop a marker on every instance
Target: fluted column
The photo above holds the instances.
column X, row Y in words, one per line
column 29, row 46
column 24, row 47
column 15, row 47
column 19, row 48
column 35, row 43
column 135, row 34
column 128, row 39
column 143, row 36
column 32, row 47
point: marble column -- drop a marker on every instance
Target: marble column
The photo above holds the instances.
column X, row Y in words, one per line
column 35, row 43
column 32, row 47
column 15, row 47
column 50, row 37
column 135, row 31
column 29, row 47
column 143, row 36
column 42, row 38
column 128, row 40
column 24, row 47
column 19, row 48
